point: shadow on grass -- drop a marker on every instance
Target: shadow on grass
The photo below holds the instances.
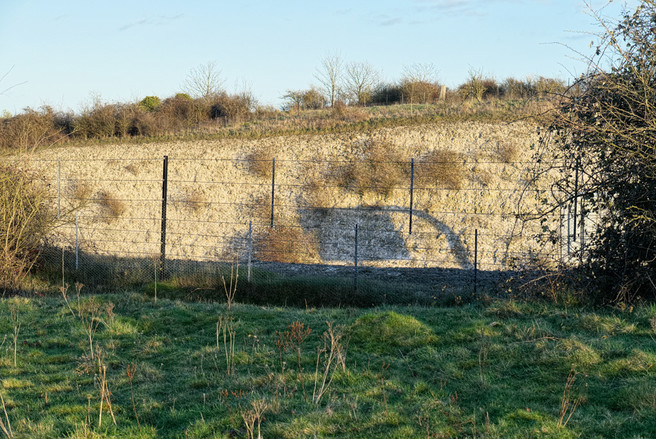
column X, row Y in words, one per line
column 265, row 283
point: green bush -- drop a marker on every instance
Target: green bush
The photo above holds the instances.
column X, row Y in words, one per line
column 150, row 103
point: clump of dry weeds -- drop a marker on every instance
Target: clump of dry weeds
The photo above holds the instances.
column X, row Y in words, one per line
column 442, row 168
column 80, row 191
column 194, row 200
column 377, row 169
column 507, row 151
column 260, row 163
column 286, row 244
column 111, row 207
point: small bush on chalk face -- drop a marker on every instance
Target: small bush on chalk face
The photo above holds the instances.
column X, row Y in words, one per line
column 111, row 207
column 194, row 200
column 79, row 191
column 377, row 169
column 441, row 168
column 260, row 163
column 507, row 151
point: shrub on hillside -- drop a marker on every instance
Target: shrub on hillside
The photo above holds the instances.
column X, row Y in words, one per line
column 28, row 216
column 34, row 128
column 479, row 88
column 313, row 99
column 150, row 103
column 530, row 88
column 145, row 123
column 123, row 116
column 376, row 169
column 111, row 207
column 387, row 94
column 180, row 112
column 230, row 108
column 260, row 163
column 419, row 92
column 513, row 88
column 549, row 86
column 442, row 169
column 97, row 122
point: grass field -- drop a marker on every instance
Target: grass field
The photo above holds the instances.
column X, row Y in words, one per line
column 198, row 370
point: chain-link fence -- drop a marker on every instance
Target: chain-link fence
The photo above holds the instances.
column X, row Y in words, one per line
column 383, row 230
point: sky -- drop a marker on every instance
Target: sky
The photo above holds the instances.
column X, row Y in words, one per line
column 68, row 53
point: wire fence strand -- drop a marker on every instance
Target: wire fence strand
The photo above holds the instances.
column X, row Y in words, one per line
column 302, row 221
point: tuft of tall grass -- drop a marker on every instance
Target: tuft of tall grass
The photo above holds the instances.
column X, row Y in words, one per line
column 194, row 200
column 442, row 168
column 376, row 169
column 286, row 244
column 260, row 163
column 111, row 207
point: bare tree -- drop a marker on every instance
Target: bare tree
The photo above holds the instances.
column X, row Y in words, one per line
column 474, row 88
column 297, row 100
column 361, row 80
column 418, row 82
column 420, row 72
column 204, row 81
column 293, row 99
column 329, row 74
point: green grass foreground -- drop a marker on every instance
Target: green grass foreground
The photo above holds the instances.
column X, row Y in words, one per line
column 503, row 370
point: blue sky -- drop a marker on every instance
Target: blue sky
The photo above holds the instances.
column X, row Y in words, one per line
column 63, row 53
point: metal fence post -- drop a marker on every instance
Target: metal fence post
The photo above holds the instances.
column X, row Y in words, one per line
column 569, row 230
column 475, row 261
column 412, row 185
column 576, row 194
column 273, row 186
column 165, row 180
column 77, row 242
column 582, row 232
column 250, row 249
column 58, row 188
column 355, row 260
column 560, row 235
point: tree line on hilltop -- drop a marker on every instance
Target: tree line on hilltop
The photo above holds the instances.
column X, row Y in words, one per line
column 205, row 102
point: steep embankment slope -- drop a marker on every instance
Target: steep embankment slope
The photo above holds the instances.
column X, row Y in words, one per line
column 467, row 176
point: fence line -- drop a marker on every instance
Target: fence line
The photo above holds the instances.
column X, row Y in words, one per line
column 297, row 217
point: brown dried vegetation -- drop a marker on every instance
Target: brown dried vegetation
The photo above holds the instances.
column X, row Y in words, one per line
column 442, row 169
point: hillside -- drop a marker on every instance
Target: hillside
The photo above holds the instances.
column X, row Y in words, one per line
column 467, row 176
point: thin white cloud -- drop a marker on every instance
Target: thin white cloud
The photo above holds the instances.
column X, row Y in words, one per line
column 466, row 7
column 158, row 20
